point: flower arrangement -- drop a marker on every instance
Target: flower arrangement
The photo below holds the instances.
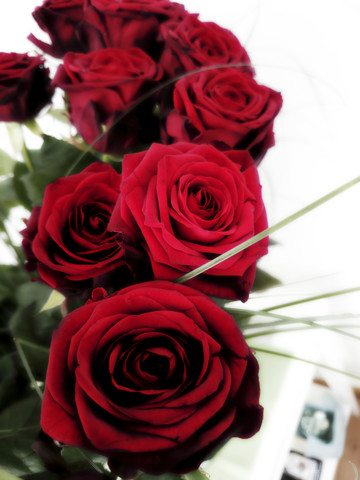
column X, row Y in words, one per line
column 142, row 226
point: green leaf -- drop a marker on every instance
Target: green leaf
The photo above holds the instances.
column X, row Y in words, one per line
column 8, row 198
column 8, row 380
column 16, row 136
column 51, row 162
column 60, row 115
column 43, row 476
column 7, row 476
column 55, row 299
column 264, row 281
column 34, row 127
column 32, row 293
column 6, row 163
column 77, row 458
column 17, row 458
column 20, row 171
column 56, row 157
column 11, row 277
column 165, row 476
column 196, row 475
column 35, row 184
column 21, row 414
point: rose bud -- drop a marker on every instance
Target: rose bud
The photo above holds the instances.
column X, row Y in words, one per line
column 225, row 108
column 103, row 85
column 155, row 377
column 184, row 204
column 66, row 239
column 61, row 20
column 24, row 86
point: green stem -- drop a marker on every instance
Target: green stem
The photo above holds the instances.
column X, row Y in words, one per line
column 282, row 322
column 10, row 432
column 27, row 368
column 90, row 462
column 311, row 299
column 35, row 346
column 286, row 330
column 265, row 233
column 310, row 362
column 310, row 323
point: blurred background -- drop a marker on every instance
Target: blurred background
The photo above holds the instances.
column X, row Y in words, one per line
column 308, row 51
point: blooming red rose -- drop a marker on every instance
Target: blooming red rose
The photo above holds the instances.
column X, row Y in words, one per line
column 66, row 239
column 192, row 44
column 24, row 86
column 101, row 86
column 225, row 108
column 129, row 23
column 61, row 20
column 186, row 204
column 154, row 377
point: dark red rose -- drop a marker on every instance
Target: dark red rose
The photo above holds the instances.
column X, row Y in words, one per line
column 24, row 86
column 101, row 86
column 192, row 44
column 154, row 377
column 225, row 108
column 186, row 204
column 129, row 23
column 66, row 239
column 28, row 237
column 61, row 20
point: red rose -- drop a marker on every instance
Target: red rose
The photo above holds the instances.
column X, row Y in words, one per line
column 101, row 86
column 129, row 23
column 24, row 86
column 67, row 238
column 192, row 44
column 154, row 377
column 186, row 204
column 225, row 108
column 61, row 20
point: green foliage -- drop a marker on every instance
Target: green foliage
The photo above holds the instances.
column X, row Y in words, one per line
column 264, row 281
column 19, row 424
column 6, row 163
column 7, row 476
column 165, row 476
column 196, row 475
column 7, row 198
column 51, row 162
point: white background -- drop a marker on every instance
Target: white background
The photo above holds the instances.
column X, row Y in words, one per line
column 309, row 51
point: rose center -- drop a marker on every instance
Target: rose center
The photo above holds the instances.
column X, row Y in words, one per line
column 155, row 365
column 202, row 201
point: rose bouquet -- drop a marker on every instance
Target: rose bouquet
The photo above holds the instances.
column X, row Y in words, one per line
column 121, row 355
